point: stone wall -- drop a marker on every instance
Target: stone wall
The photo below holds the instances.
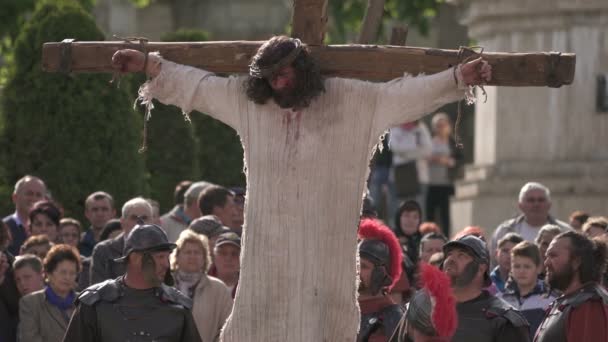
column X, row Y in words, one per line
column 554, row 136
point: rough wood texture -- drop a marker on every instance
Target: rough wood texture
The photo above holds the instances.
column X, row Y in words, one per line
column 371, row 21
column 398, row 35
column 370, row 62
column 309, row 21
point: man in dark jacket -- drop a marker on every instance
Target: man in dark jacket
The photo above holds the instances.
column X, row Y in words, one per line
column 103, row 266
column 136, row 306
column 481, row 316
column 28, row 190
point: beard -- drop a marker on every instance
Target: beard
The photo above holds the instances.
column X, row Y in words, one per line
column 299, row 96
column 148, row 268
column 467, row 275
column 307, row 85
column 560, row 280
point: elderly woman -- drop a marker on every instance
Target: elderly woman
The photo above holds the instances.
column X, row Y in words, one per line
column 211, row 298
column 44, row 220
column 44, row 314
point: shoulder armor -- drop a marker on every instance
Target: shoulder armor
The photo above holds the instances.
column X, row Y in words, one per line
column 391, row 315
column 587, row 293
column 500, row 308
column 516, row 318
column 170, row 294
column 107, row 291
column 603, row 294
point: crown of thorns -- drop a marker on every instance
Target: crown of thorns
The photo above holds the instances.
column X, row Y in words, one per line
column 267, row 72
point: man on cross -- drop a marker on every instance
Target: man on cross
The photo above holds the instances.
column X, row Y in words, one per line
column 307, row 142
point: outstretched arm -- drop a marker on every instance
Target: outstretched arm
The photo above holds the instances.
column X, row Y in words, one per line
column 184, row 86
column 409, row 98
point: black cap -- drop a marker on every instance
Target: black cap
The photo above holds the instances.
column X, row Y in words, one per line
column 473, row 245
column 375, row 251
column 208, row 225
column 145, row 238
column 228, row 238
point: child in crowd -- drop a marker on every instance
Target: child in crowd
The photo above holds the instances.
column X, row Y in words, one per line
column 524, row 290
column 500, row 274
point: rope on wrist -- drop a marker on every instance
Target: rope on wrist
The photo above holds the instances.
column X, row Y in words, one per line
column 472, row 54
column 143, row 47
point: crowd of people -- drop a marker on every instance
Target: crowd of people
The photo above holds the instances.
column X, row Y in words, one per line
column 143, row 276
column 50, row 265
column 537, row 278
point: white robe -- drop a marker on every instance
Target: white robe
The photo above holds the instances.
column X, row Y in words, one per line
column 306, row 173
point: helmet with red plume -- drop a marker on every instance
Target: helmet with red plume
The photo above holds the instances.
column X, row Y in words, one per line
column 432, row 310
column 380, row 246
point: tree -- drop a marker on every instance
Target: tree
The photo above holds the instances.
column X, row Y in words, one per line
column 347, row 16
column 77, row 132
column 220, row 154
column 173, row 148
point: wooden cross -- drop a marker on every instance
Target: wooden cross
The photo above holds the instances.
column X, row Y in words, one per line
column 318, row 314
column 369, row 62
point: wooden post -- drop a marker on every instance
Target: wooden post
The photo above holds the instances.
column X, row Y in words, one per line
column 309, row 21
column 371, row 21
column 398, row 35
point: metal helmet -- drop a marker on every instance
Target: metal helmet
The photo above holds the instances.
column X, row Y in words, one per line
column 145, row 238
column 432, row 309
column 380, row 246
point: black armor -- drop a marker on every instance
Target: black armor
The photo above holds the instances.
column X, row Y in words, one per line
column 553, row 327
column 111, row 311
column 386, row 319
column 488, row 318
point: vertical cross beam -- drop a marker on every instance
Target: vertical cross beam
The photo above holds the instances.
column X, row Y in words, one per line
column 309, row 21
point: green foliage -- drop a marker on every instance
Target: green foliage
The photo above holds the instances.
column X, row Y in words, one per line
column 347, row 15
column 220, row 154
column 76, row 132
column 204, row 149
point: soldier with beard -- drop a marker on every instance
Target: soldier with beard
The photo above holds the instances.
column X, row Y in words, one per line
column 574, row 266
column 136, row 307
column 481, row 316
column 380, row 268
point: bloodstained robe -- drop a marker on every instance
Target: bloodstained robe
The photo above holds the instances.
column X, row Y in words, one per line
column 306, row 173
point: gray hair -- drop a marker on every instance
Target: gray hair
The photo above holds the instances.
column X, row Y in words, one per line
column 547, row 229
column 133, row 203
column 191, row 195
column 533, row 186
column 189, row 236
column 438, row 117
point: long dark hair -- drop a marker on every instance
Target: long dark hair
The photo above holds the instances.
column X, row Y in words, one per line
column 592, row 254
column 308, row 82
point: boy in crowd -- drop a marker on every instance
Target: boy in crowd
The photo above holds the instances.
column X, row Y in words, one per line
column 525, row 291
column 500, row 274
column 29, row 276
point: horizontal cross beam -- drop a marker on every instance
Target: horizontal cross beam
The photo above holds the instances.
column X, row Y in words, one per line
column 367, row 62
